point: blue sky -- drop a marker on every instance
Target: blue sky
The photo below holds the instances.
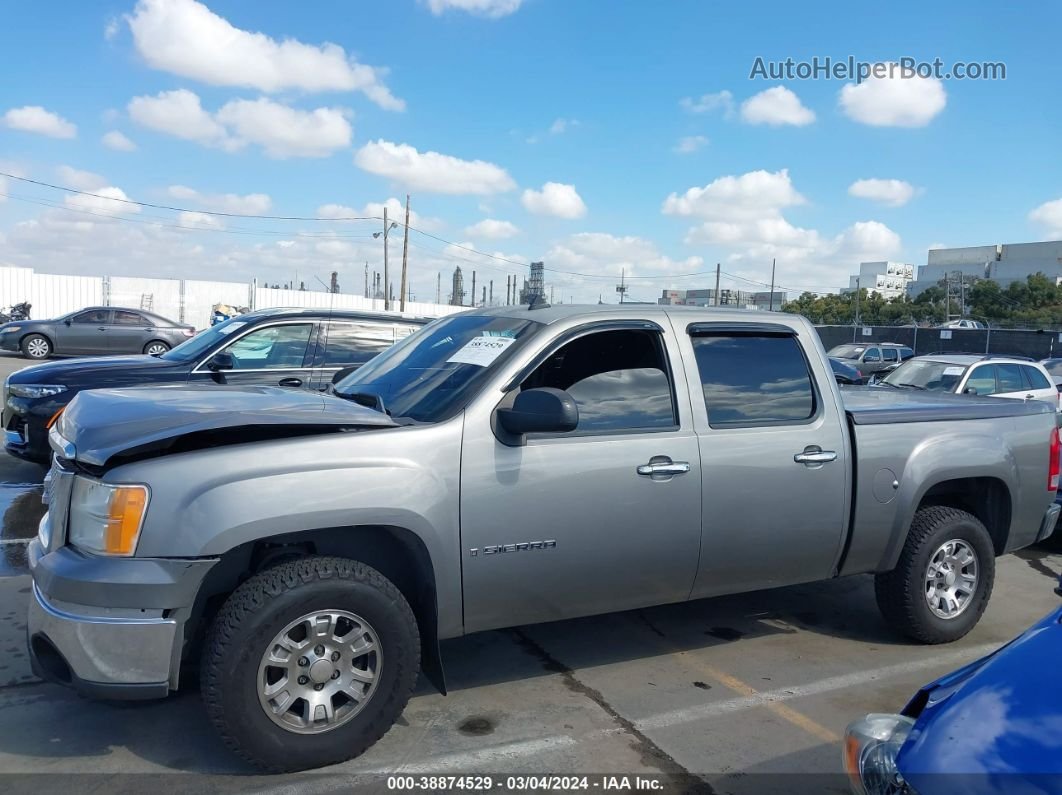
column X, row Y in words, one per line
column 285, row 109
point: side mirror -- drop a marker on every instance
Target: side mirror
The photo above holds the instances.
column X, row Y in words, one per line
column 544, row 410
column 222, row 360
column 341, row 374
column 68, row 321
column 969, row 391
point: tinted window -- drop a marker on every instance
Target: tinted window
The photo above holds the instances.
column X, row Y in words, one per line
column 1036, row 378
column 271, row 347
column 891, row 354
column 748, row 380
column 982, row 380
column 1009, row 376
column 873, row 355
column 347, row 344
column 98, row 316
column 906, row 353
column 617, row 378
column 123, row 318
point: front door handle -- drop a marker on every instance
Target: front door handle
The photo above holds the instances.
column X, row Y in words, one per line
column 290, row 382
column 660, row 467
column 1030, row 396
column 815, row 456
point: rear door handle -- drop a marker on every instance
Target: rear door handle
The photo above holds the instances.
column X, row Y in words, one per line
column 290, row 382
column 660, row 467
column 1030, row 396
column 814, row 456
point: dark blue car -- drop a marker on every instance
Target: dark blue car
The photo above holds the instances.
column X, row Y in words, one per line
column 994, row 726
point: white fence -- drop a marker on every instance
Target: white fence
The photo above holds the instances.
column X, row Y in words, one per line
column 184, row 300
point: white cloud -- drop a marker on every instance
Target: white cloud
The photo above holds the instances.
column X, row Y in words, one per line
column 1048, row 216
column 179, row 113
column 118, row 142
column 722, row 100
column 106, row 201
column 743, row 215
column 894, row 101
column 933, row 246
column 35, row 119
column 432, row 171
column 186, row 38
column 890, row 192
column 396, row 211
column 286, row 132
column 753, row 195
column 194, row 220
column 491, row 9
column 689, row 144
column 492, row 229
column 80, row 180
column 3, row 192
column 560, row 126
column 776, row 106
column 250, row 204
column 556, row 199
column 280, row 130
column 110, row 30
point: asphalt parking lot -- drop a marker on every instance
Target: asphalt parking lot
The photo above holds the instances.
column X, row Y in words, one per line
column 727, row 687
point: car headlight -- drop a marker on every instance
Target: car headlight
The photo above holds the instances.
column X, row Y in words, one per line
column 106, row 519
column 35, row 390
column 9, row 329
column 870, row 749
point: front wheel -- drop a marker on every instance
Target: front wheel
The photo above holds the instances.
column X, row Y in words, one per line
column 36, row 346
column 156, row 348
column 943, row 579
column 310, row 663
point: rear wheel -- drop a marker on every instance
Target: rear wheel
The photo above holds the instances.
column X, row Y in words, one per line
column 156, row 348
column 36, row 346
column 310, row 663
column 943, row 579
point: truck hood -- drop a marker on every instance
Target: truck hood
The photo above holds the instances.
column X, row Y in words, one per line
column 101, row 425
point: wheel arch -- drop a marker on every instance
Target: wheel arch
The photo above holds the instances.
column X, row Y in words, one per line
column 396, row 552
column 28, row 334
column 153, row 340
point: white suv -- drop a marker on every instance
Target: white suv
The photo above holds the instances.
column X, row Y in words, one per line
column 970, row 374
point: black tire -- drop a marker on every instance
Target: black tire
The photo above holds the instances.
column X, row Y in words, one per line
column 262, row 607
column 901, row 593
column 40, row 346
column 156, row 344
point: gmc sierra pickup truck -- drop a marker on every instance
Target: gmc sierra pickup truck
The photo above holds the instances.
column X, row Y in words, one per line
column 501, row 467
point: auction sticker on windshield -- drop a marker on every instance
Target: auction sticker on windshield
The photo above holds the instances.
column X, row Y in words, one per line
column 482, row 351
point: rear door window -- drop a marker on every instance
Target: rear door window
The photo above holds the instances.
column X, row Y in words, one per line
column 1009, row 376
column 354, row 343
column 891, row 355
column 1035, row 378
column 754, row 379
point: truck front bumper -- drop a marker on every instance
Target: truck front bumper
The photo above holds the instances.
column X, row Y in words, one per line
column 110, row 627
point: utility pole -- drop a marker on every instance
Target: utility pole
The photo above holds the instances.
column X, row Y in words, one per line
column 855, row 320
column 771, row 297
column 386, row 278
column 473, row 293
column 717, row 284
column 405, row 255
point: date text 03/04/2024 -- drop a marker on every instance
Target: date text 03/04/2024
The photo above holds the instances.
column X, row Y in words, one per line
column 520, row 783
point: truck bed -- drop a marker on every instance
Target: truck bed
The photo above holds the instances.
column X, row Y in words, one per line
column 884, row 405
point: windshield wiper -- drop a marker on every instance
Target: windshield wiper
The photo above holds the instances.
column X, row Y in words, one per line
column 913, row 386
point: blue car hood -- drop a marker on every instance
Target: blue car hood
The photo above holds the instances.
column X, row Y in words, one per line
column 997, row 722
column 103, row 424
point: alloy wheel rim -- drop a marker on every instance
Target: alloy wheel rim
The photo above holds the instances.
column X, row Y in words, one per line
column 37, row 348
column 156, row 349
column 319, row 671
column 951, row 579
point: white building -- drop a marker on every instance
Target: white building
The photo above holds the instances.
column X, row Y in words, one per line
column 887, row 279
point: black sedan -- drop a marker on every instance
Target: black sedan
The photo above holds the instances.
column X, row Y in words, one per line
column 95, row 330
column 307, row 348
column 844, row 373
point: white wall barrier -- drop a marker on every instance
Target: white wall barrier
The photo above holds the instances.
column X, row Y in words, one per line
column 183, row 300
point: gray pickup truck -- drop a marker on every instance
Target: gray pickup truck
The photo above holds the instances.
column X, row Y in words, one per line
column 502, row 467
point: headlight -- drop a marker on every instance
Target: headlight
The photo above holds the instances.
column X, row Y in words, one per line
column 870, row 749
column 35, row 390
column 106, row 519
column 9, row 329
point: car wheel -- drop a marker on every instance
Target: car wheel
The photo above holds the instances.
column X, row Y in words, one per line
column 943, row 579
column 36, row 346
column 309, row 663
column 156, row 348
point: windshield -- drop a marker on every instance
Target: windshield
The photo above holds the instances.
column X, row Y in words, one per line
column 431, row 374
column 934, row 376
column 848, row 351
column 202, row 342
